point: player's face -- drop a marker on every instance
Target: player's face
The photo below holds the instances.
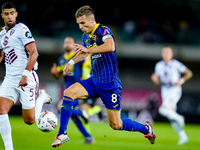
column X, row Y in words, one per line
column 68, row 44
column 9, row 16
column 86, row 24
column 167, row 54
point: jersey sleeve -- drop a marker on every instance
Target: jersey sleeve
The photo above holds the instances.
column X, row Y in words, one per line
column 105, row 33
column 0, row 42
column 157, row 69
column 25, row 35
column 180, row 66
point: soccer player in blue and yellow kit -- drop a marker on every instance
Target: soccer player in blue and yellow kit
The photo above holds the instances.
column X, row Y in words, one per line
column 104, row 82
column 76, row 75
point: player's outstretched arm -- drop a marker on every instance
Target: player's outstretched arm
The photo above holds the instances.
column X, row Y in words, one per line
column 81, row 55
column 1, row 55
column 33, row 55
column 108, row 46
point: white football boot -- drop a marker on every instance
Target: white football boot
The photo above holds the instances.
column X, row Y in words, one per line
column 151, row 135
column 47, row 97
column 60, row 139
column 183, row 138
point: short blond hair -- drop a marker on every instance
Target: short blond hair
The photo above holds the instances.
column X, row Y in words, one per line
column 85, row 10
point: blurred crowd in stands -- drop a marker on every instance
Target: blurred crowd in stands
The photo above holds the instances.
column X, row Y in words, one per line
column 150, row 21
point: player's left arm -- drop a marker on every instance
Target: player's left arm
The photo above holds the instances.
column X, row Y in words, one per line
column 187, row 74
column 108, row 46
column 33, row 55
column 1, row 55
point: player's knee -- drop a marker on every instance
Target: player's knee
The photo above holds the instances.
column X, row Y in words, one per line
column 3, row 111
column 29, row 121
column 68, row 92
column 115, row 126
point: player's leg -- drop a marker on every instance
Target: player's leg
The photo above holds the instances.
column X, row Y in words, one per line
column 168, row 110
column 5, row 127
column 75, row 91
column 88, row 137
column 8, row 96
column 111, row 96
column 31, row 107
column 170, row 97
column 29, row 115
column 115, row 122
column 43, row 98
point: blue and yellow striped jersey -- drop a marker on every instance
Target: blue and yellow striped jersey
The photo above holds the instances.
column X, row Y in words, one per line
column 76, row 70
column 104, row 65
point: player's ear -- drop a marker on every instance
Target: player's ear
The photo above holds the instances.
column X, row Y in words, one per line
column 16, row 13
column 92, row 19
column 1, row 15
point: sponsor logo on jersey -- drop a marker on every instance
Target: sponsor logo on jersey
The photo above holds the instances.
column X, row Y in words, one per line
column 12, row 31
column 96, row 56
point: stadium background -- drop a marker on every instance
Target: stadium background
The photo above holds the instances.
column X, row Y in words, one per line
column 141, row 28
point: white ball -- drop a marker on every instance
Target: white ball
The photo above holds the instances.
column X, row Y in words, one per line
column 47, row 121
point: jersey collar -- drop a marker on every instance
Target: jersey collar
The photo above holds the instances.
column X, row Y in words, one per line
column 68, row 56
column 96, row 26
column 4, row 28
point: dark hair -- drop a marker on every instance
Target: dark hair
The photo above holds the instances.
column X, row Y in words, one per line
column 85, row 10
column 7, row 5
column 165, row 46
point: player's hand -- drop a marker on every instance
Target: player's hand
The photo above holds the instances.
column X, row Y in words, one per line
column 23, row 82
column 54, row 68
column 80, row 48
column 180, row 82
column 66, row 69
column 155, row 79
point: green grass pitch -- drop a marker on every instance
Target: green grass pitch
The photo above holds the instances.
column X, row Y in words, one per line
column 31, row 138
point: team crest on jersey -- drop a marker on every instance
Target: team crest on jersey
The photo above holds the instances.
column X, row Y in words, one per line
column 12, row 31
column 28, row 34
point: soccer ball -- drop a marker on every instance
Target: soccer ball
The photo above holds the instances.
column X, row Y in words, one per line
column 47, row 121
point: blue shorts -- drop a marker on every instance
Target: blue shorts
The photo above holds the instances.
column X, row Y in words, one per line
column 110, row 93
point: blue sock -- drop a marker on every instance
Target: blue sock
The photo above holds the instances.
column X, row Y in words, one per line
column 130, row 125
column 65, row 113
column 80, row 126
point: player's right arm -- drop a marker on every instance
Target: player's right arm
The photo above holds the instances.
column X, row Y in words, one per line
column 55, row 72
column 1, row 55
column 79, row 57
column 155, row 78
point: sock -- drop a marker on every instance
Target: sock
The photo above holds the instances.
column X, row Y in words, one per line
column 175, row 125
column 130, row 125
column 65, row 113
column 94, row 110
column 182, row 134
column 38, row 106
column 80, row 126
column 77, row 112
column 5, row 130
